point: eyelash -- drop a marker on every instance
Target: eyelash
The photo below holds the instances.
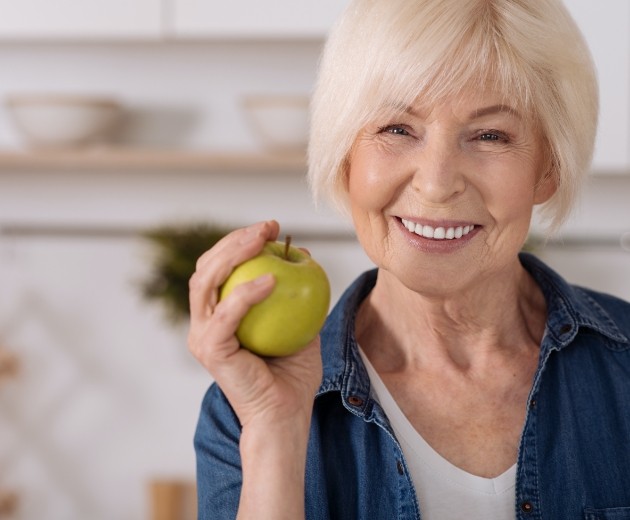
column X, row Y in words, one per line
column 485, row 135
column 495, row 135
column 396, row 129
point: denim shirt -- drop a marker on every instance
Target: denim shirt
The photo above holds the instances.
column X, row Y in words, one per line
column 574, row 455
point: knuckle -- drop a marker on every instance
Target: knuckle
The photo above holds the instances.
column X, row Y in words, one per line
column 242, row 298
column 194, row 346
column 193, row 281
column 224, row 313
column 202, row 260
column 203, row 348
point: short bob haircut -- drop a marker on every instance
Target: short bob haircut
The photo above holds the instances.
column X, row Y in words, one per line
column 385, row 54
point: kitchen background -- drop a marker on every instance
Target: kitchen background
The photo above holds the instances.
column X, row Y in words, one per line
column 98, row 395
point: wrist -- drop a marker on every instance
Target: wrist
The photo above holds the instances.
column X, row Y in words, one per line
column 273, row 463
column 283, row 438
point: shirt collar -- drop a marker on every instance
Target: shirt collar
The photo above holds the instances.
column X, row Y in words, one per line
column 343, row 368
column 569, row 308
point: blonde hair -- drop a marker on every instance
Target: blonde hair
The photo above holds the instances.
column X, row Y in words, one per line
column 384, row 54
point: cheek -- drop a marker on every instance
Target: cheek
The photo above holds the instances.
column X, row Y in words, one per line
column 517, row 196
column 368, row 196
column 510, row 201
column 369, row 186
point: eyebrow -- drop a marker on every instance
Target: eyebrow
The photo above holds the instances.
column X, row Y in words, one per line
column 494, row 109
column 480, row 112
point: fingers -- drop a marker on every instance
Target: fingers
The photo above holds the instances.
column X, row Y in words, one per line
column 229, row 312
column 261, row 231
column 260, row 390
column 213, row 324
column 215, row 265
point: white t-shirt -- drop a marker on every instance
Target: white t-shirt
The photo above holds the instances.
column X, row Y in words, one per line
column 445, row 492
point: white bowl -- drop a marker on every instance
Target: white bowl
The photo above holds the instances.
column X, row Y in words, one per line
column 280, row 122
column 58, row 121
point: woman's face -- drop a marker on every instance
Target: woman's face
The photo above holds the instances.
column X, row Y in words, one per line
column 442, row 196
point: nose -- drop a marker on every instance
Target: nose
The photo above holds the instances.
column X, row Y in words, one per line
column 438, row 171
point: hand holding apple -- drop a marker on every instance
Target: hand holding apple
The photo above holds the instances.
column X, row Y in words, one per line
column 293, row 314
column 264, row 392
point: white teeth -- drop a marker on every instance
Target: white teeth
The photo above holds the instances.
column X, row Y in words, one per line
column 439, row 233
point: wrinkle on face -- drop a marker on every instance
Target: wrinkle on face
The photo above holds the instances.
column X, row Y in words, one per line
column 495, row 177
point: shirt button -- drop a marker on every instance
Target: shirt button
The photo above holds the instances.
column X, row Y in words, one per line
column 527, row 507
column 399, row 467
column 355, row 401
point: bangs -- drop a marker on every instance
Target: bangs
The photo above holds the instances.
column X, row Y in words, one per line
column 471, row 54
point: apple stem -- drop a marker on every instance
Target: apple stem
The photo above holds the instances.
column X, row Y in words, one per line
column 287, row 244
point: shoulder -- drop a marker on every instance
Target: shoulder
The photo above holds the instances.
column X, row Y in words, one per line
column 613, row 307
column 574, row 307
column 607, row 315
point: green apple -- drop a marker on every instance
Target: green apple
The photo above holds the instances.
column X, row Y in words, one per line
column 293, row 314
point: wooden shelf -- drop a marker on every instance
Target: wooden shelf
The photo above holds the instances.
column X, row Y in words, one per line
column 151, row 159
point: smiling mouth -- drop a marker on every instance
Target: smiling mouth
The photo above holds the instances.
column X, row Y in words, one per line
column 438, row 233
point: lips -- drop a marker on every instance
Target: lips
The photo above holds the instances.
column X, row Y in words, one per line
column 439, row 232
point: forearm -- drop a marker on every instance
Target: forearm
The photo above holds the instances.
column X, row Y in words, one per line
column 273, row 464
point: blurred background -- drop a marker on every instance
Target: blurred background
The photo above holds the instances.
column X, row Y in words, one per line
column 131, row 133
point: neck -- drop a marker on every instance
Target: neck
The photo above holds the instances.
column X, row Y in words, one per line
column 469, row 330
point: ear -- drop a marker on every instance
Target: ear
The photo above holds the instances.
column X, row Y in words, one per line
column 345, row 170
column 545, row 188
column 547, row 183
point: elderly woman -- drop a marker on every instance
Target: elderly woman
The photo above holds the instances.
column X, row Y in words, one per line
column 459, row 379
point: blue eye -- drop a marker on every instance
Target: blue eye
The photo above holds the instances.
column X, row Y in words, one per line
column 492, row 135
column 394, row 129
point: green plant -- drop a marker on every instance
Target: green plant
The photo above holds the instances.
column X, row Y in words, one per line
column 176, row 249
